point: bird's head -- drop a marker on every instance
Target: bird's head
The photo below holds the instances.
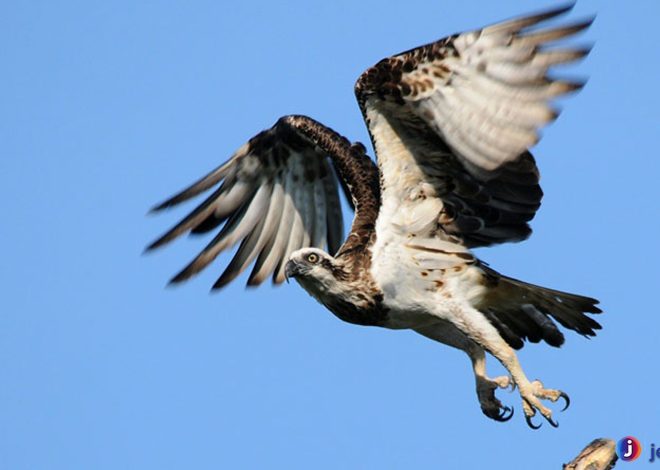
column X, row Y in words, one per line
column 314, row 269
column 331, row 281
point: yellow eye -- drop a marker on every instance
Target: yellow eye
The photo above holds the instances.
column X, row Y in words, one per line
column 312, row 257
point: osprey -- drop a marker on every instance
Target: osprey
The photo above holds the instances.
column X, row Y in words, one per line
column 451, row 123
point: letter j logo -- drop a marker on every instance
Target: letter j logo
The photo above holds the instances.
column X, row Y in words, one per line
column 628, row 449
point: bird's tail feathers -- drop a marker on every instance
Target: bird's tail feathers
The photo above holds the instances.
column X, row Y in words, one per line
column 522, row 311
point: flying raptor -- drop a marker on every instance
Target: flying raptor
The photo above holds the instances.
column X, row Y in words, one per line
column 451, row 124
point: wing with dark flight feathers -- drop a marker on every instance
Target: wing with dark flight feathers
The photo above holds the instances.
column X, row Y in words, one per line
column 276, row 194
column 468, row 107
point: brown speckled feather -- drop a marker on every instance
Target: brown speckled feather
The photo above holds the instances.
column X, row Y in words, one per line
column 469, row 107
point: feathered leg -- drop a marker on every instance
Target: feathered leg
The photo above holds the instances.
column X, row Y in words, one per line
column 477, row 328
column 448, row 334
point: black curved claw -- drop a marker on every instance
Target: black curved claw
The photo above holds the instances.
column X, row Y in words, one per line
column 503, row 414
column 530, row 424
column 504, row 417
column 552, row 422
column 500, row 414
column 567, row 400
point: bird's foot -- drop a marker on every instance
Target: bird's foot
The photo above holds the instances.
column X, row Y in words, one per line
column 490, row 405
column 532, row 394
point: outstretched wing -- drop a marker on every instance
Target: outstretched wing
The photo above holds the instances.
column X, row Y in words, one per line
column 276, row 194
column 463, row 112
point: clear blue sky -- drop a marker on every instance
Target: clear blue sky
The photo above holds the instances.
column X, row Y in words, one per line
column 108, row 107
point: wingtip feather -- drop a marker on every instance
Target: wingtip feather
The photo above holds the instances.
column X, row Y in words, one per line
column 160, row 207
column 148, row 249
column 160, row 241
column 519, row 23
column 217, row 287
column 194, row 267
column 178, row 279
column 564, row 87
column 252, row 283
column 553, row 12
column 225, row 278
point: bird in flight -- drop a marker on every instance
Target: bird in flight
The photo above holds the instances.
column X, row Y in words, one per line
column 451, row 124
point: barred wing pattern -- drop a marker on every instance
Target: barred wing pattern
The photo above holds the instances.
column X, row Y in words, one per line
column 278, row 193
column 469, row 107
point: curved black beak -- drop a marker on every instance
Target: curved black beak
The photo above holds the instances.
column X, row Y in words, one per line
column 292, row 269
